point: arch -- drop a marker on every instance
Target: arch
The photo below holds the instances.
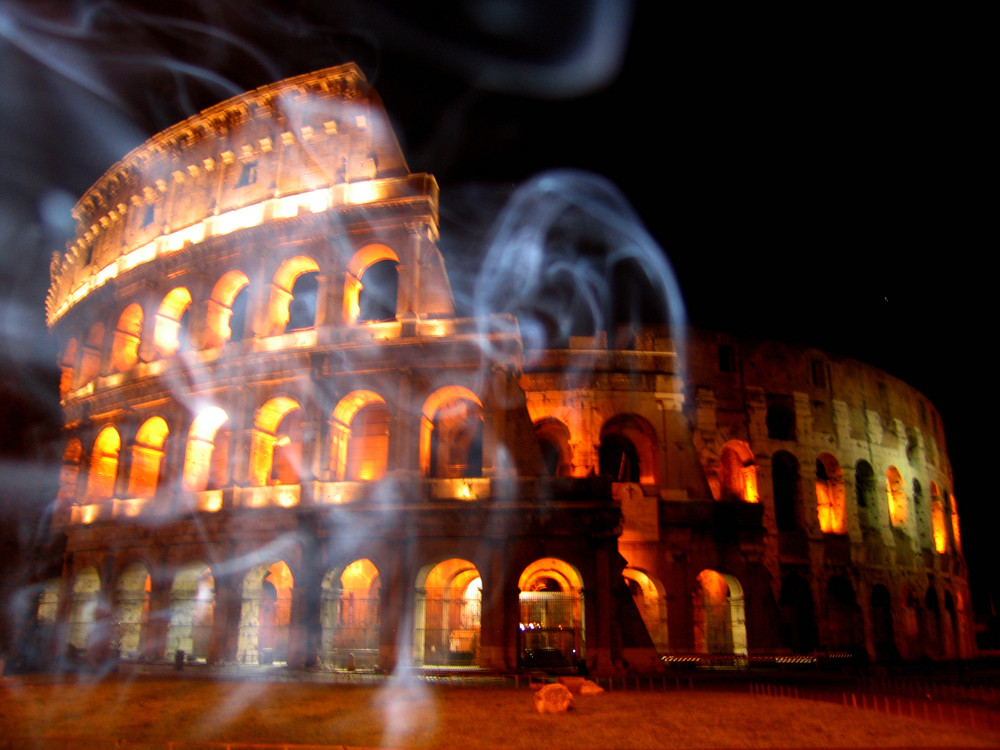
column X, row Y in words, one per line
column 283, row 292
column 70, row 473
column 841, row 616
column 359, row 446
column 831, row 499
column 451, row 433
column 552, row 624
column 865, row 490
column 192, row 611
column 225, row 319
column 939, row 524
column 90, row 360
column 949, row 643
column 736, row 478
column 896, row 493
column 67, row 366
column 951, row 507
column 350, row 600
column 448, row 614
column 554, row 440
column 104, row 465
column 147, row 457
column 128, row 334
column 628, row 449
column 265, row 614
column 651, row 601
column 719, row 614
column 883, row 637
column 913, row 623
column 206, row 458
column 798, row 622
column 84, row 616
column 170, row 332
column 930, row 637
column 132, row 610
column 785, row 484
column 380, row 296
column 276, row 443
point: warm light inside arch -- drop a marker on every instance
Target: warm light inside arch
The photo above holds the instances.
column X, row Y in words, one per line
column 220, row 307
column 147, row 456
column 265, row 439
column 281, row 290
column 356, row 267
column 434, row 402
column 206, row 456
column 166, row 334
column 370, row 452
column 125, row 347
column 104, row 465
column 831, row 498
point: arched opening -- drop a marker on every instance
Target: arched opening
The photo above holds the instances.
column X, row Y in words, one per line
column 192, row 612
column 448, row 615
column 302, row 308
column 265, row 615
column 864, row 482
column 650, row 599
column 349, row 617
column 719, row 615
column 359, row 448
column 842, row 616
column 951, row 507
column 948, row 631
column 206, row 459
column 798, row 623
column 931, row 637
column 128, row 333
column 276, row 443
column 371, row 285
column 171, row 332
column 628, row 449
column 83, row 613
column 70, row 473
column 939, row 524
column 896, row 493
column 226, row 319
column 283, row 292
column 104, row 465
column 90, row 360
column 132, row 610
column 553, row 438
column 147, row 457
column 882, row 629
column 551, row 629
column 379, row 291
column 451, row 434
column 831, row 500
column 785, row 483
column 66, row 367
column 736, row 478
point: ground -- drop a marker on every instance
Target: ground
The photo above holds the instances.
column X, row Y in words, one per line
column 421, row 716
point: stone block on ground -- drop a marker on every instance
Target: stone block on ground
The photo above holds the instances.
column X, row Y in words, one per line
column 553, row 699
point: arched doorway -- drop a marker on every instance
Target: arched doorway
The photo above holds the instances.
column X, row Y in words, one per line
column 83, row 612
column 449, row 606
column 349, row 617
column 132, row 610
column 192, row 612
column 551, row 629
column 650, row 600
column 719, row 615
column 265, row 615
column 841, row 618
column 798, row 624
column 882, row 630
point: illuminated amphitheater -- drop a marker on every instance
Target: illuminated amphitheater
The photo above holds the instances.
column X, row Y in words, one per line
column 283, row 446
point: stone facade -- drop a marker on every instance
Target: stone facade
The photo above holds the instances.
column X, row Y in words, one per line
column 282, row 444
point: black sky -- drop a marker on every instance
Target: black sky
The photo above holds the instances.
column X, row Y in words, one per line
column 811, row 177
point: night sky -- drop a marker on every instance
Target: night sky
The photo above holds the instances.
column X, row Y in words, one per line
column 813, row 178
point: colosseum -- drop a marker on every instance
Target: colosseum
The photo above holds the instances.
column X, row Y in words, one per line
column 284, row 446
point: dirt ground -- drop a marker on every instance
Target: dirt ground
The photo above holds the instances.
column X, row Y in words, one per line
column 417, row 716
